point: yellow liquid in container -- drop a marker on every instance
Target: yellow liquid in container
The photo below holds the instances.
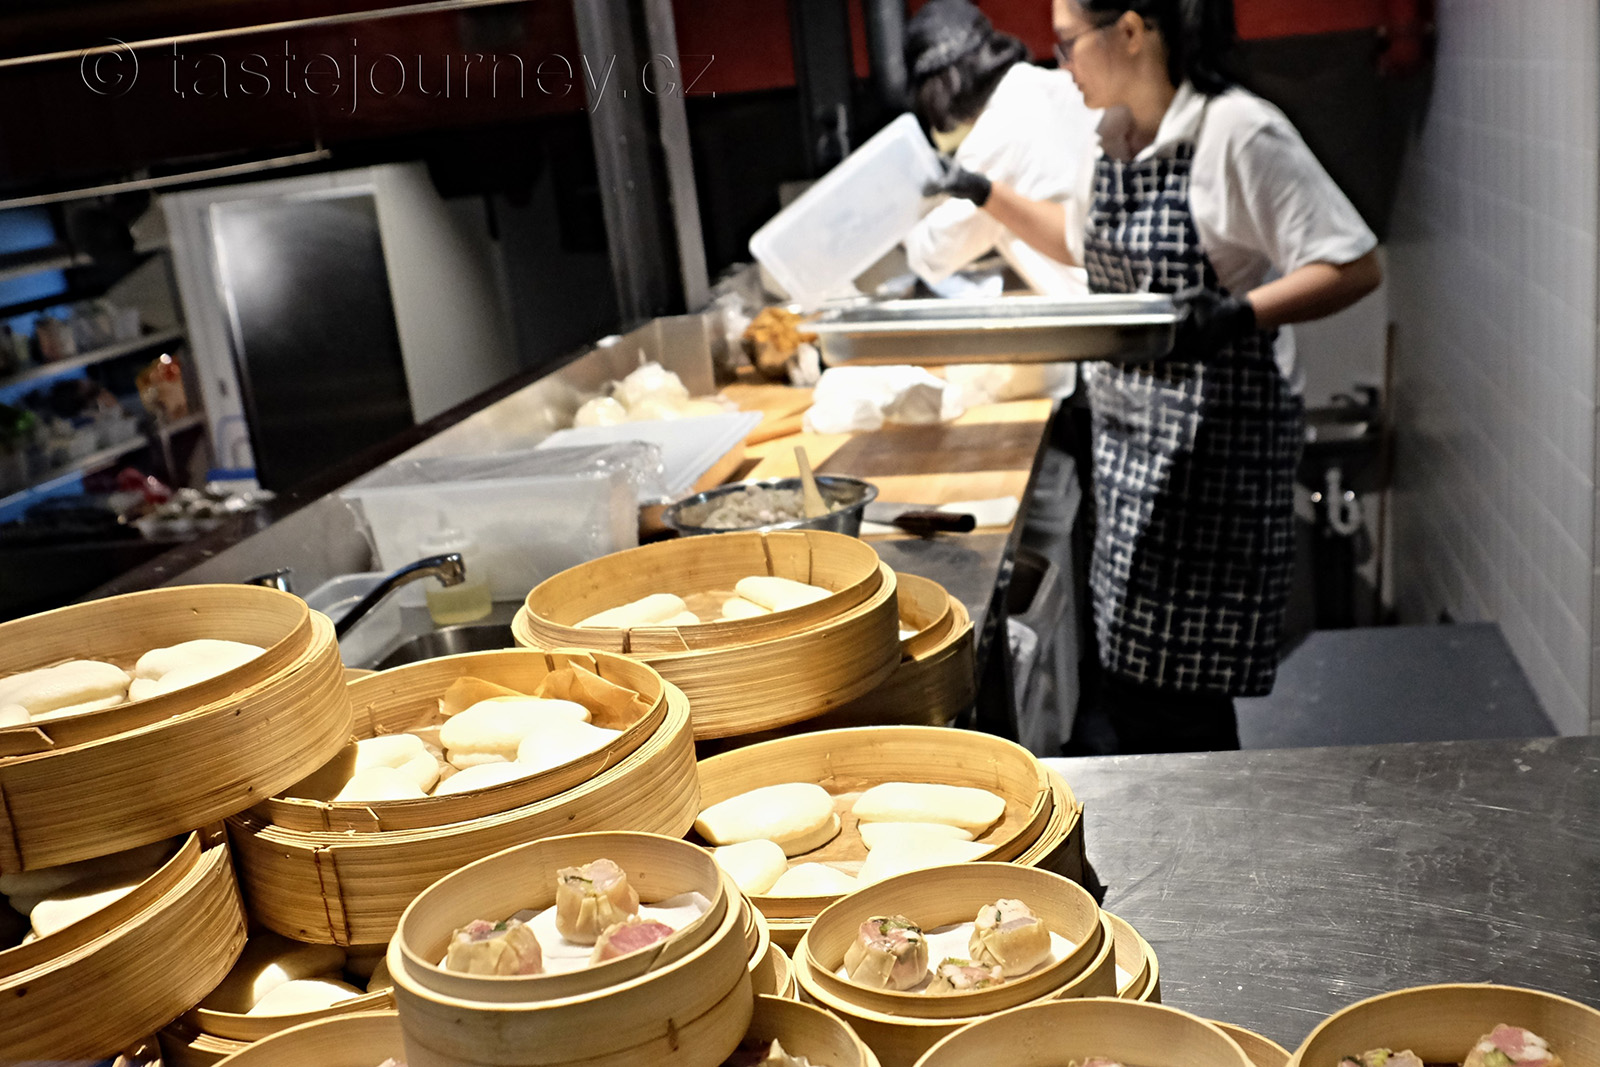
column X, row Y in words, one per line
column 466, row 602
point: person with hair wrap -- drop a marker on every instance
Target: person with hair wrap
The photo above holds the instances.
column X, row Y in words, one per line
column 1206, row 192
column 983, row 103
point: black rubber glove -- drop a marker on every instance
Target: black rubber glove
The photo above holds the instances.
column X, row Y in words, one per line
column 960, row 182
column 1208, row 321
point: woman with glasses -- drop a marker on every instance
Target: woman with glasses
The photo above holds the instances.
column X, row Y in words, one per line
column 983, row 103
column 1203, row 191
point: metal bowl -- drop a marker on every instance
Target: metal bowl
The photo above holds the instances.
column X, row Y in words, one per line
column 848, row 497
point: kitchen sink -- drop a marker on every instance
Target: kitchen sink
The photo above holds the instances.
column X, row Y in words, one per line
column 474, row 637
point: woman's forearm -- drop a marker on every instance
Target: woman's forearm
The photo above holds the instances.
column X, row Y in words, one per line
column 1315, row 290
column 1040, row 223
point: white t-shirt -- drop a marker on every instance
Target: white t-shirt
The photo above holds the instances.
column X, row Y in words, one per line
column 1262, row 204
column 1035, row 135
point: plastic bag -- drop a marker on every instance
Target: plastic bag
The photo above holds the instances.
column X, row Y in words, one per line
column 849, row 399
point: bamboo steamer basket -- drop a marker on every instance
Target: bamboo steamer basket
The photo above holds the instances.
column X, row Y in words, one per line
column 201, row 1038
column 1129, row 950
column 120, row 629
column 396, row 700
column 927, row 608
column 365, row 1039
column 757, row 936
column 930, row 687
column 127, row 969
column 1059, row 847
column 943, row 896
column 82, row 800
column 773, row 976
column 1046, row 1035
column 743, row 676
column 847, row 761
column 689, row 1012
column 524, row 877
column 691, row 565
column 898, row 1041
column 1440, row 1023
column 1262, row 1051
column 351, row 888
column 804, row 1030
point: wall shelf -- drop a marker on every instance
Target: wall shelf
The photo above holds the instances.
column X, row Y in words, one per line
column 98, row 355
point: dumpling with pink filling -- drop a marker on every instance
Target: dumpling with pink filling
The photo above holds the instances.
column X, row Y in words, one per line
column 483, row 947
column 628, row 936
column 889, row 952
column 1007, row 934
column 591, row 898
column 1511, row 1046
column 1382, row 1057
column 963, row 976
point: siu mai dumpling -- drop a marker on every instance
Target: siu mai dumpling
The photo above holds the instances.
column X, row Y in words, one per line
column 483, row 947
column 1382, row 1057
column 963, row 976
column 628, row 936
column 1007, row 934
column 1511, row 1046
column 591, row 898
column 889, row 952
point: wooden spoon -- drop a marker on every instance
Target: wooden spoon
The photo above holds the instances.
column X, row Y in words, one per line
column 811, row 496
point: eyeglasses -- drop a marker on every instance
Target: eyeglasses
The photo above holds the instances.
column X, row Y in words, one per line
column 1065, row 47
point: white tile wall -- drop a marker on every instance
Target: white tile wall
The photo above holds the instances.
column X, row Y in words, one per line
column 1493, row 284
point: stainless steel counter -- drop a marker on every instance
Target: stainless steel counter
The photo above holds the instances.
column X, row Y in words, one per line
column 1278, row 886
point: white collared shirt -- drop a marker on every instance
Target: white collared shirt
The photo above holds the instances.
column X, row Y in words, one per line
column 1262, row 204
column 1035, row 135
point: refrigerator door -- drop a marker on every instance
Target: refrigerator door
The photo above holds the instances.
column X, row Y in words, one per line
column 312, row 326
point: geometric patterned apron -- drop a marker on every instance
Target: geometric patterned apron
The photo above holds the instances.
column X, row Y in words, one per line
column 1194, row 464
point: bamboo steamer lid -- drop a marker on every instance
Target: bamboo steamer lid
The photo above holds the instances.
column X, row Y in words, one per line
column 774, row 975
column 694, row 565
column 658, row 868
column 944, row 896
column 79, row 801
column 1131, row 960
column 125, row 971
column 847, row 761
column 1440, row 1023
column 692, row 1012
column 200, row 1038
column 1047, row 1035
column 364, row 1039
column 403, row 698
column 351, row 888
column 805, row 1030
column 1262, row 1051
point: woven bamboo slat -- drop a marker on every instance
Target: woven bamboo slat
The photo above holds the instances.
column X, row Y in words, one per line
column 136, row 975
column 1127, row 1031
column 186, row 771
column 694, row 566
column 350, row 888
column 748, row 688
column 361, row 1040
column 524, row 878
column 1440, row 1023
column 944, row 896
column 845, row 762
column 397, row 700
column 120, row 629
column 690, row 1013
column 1262, row 1051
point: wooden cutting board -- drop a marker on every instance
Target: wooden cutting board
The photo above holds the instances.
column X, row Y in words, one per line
column 781, row 406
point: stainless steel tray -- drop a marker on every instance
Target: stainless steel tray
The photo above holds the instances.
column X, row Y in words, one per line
column 1020, row 329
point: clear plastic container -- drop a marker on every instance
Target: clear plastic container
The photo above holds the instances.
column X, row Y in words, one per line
column 467, row 601
column 818, row 245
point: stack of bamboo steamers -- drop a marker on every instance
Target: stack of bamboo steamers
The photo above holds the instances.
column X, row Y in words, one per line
column 168, row 768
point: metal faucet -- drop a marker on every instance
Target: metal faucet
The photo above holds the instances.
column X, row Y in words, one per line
column 448, row 568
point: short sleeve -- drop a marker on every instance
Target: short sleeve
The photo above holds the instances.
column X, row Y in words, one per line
column 1283, row 205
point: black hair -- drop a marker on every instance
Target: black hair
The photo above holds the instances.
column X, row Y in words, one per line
column 1199, row 35
column 957, row 93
